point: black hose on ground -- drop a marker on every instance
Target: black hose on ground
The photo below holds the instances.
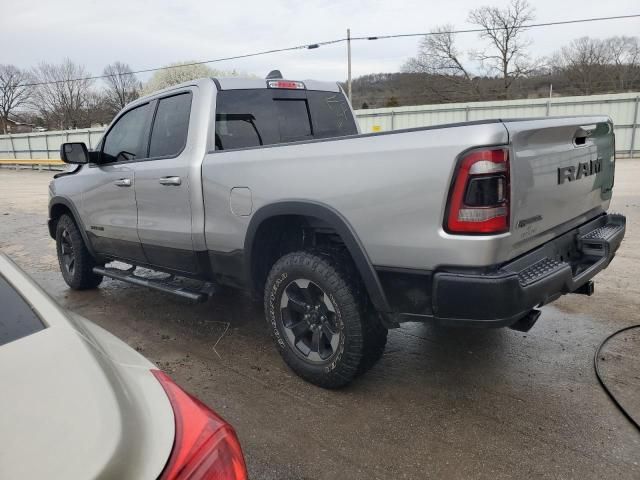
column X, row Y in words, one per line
column 604, row 386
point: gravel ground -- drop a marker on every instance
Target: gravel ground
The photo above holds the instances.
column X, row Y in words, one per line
column 452, row 403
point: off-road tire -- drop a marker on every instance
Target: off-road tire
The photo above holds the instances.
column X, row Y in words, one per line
column 80, row 276
column 360, row 341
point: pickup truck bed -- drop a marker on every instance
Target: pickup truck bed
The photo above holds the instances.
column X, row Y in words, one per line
column 408, row 176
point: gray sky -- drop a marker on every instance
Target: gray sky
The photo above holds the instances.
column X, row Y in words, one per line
column 149, row 33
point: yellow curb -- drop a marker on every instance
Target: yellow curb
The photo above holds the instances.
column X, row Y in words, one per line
column 28, row 161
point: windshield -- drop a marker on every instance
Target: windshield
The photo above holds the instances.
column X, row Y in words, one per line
column 17, row 318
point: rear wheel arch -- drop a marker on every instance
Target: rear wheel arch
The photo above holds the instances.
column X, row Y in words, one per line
column 310, row 212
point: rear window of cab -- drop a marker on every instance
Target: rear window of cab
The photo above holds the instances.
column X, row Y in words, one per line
column 251, row 118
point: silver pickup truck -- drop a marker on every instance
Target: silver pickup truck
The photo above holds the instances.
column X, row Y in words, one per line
column 268, row 185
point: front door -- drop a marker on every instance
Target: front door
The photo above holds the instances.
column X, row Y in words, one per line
column 163, row 188
column 109, row 208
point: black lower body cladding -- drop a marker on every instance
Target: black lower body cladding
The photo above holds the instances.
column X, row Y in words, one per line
column 501, row 295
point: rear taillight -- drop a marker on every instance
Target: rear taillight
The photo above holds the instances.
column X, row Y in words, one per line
column 205, row 446
column 479, row 198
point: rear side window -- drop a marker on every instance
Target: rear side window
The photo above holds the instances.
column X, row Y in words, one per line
column 170, row 126
column 245, row 118
column 331, row 115
column 17, row 319
column 127, row 138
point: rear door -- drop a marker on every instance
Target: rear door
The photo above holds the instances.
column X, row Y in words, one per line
column 108, row 198
column 562, row 175
column 162, row 186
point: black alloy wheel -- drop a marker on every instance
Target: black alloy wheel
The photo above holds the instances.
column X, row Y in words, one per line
column 309, row 321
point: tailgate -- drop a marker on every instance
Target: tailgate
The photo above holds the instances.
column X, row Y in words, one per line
column 562, row 173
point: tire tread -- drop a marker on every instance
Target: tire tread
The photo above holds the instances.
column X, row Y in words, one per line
column 83, row 277
column 366, row 335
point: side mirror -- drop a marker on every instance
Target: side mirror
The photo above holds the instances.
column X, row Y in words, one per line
column 75, row 153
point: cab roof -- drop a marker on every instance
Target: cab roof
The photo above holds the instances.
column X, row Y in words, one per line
column 234, row 83
column 245, row 83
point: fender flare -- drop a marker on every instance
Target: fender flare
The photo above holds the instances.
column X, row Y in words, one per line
column 59, row 200
column 333, row 218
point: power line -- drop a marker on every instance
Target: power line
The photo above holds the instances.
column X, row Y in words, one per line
column 203, row 62
column 480, row 30
column 311, row 46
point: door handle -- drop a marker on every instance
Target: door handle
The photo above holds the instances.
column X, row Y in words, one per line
column 170, row 181
column 123, row 182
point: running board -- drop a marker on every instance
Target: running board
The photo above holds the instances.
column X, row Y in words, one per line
column 197, row 296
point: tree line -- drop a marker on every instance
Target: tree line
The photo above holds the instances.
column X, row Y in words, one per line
column 64, row 96
column 501, row 66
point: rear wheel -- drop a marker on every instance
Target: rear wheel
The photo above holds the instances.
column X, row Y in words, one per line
column 318, row 321
column 76, row 263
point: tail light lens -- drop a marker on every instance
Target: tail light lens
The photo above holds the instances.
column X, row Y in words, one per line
column 479, row 198
column 205, row 446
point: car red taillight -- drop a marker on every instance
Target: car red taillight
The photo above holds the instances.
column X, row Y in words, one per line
column 205, row 446
column 479, row 199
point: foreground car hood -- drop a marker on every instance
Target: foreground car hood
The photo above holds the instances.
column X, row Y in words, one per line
column 70, row 412
column 77, row 402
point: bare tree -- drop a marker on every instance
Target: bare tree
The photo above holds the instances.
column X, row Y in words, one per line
column 583, row 62
column 14, row 93
column 182, row 72
column 438, row 55
column 98, row 110
column 62, row 98
column 503, row 28
column 623, row 54
column 122, row 86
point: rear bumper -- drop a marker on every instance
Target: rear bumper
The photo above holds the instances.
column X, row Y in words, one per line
column 502, row 295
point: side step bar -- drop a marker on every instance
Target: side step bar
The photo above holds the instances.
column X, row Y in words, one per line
column 128, row 276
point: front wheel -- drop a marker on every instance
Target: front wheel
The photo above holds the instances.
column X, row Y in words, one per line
column 76, row 263
column 317, row 319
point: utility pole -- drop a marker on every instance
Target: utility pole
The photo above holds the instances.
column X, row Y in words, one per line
column 549, row 100
column 349, row 64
